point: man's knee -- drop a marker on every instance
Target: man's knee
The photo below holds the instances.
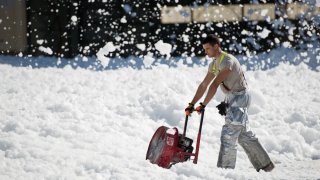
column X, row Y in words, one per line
column 228, row 141
column 246, row 137
column 229, row 136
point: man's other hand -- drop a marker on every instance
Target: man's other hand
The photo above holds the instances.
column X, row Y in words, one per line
column 189, row 109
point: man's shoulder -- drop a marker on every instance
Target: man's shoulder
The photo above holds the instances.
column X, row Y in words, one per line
column 231, row 57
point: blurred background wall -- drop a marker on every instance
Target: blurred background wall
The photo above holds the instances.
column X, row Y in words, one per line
column 13, row 27
column 66, row 28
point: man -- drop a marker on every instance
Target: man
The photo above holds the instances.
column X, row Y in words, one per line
column 225, row 71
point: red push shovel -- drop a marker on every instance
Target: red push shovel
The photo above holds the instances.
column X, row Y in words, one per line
column 167, row 147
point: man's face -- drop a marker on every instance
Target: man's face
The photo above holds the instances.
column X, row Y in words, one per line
column 210, row 50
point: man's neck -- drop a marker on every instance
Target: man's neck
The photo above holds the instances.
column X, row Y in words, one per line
column 218, row 55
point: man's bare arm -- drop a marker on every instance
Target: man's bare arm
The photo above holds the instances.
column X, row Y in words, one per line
column 202, row 87
column 214, row 86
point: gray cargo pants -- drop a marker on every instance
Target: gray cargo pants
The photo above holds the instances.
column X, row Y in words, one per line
column 235, row 129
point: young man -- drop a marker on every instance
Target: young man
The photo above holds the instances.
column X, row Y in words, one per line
column 225, row 71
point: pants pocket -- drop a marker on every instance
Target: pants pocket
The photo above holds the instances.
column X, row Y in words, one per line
column 236, row 116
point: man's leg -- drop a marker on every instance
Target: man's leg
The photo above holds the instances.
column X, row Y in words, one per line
column 228, row 151
column 257, row 155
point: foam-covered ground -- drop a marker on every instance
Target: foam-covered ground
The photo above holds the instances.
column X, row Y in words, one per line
column 81, row 124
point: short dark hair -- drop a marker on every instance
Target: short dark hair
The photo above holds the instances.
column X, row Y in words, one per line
column 211, row 39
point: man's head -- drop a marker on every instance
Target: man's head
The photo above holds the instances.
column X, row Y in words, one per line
column 211, row 45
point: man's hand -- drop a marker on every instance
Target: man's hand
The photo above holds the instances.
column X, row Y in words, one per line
column 189, row 109
column 200, row 108
column 222, row 107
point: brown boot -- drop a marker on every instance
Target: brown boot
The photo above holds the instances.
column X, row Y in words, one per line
column 269, row 167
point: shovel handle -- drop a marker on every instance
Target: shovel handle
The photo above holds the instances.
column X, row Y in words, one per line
column 195, row 160
column 185, row 126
